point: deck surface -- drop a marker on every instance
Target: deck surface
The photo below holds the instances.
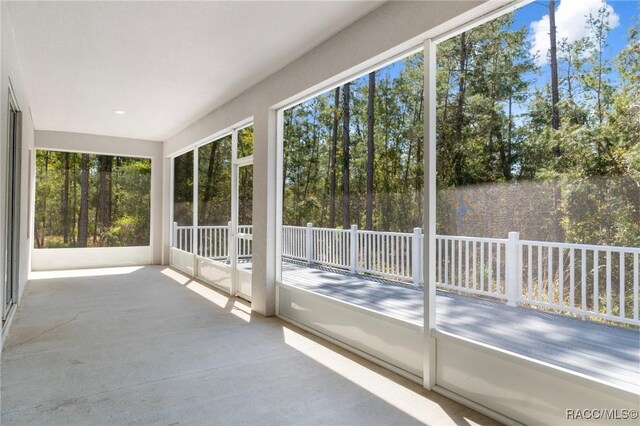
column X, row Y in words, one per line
column 603, row 351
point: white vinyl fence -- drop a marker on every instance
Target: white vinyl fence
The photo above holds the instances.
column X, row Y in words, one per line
column 588, row 280
column 213, row 241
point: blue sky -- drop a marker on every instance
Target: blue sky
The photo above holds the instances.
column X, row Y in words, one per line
column 626, row 12
column 569, row 14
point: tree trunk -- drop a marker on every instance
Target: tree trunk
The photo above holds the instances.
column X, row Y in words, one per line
column 345, row 157
column 555, row 96
column 65, row 201
column 44, row 204
column 103, row 214
column 83, row 218
column 332, row 161
column 370, row 150
column 74, row 207
column 459, row 117
column 600, row 48
column 506, row 169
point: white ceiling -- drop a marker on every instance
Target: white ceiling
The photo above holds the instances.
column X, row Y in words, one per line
column 165, row 63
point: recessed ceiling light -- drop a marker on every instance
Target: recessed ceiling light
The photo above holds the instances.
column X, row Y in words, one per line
column 118, row 111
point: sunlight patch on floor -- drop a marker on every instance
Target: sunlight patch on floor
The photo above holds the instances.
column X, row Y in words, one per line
column 75, row 273
column 175, row 275
column 399, row 395
column 238, row 308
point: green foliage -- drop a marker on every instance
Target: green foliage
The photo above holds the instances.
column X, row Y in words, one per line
column 500, row 165
column 125, row 197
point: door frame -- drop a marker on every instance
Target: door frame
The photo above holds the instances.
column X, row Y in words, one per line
column 13, row 165
column 236, row 164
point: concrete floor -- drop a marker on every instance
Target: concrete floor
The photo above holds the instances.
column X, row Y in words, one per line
column 150, row 346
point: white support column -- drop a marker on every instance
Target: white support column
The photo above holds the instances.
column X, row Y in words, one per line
column 512, row 270
column 309, row 242
column 354, row 248
column 266, row 209
column 429, row 223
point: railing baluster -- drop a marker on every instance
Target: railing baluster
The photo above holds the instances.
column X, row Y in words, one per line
column 454, row 282
column 332, row 245
column 466, row 258
column 394, row 255
column 608, row 288
column 561, row 276
column 378, row 253
column 482, row 266
column 490, row 261
column 621, row 301
column 475, row 280
column 529, row 272
column 539, row 274
column 583, row 276
column 200, row 242
column 402, row 259
column 550, row 275
column 596, row 296
column 385, row 243
column 572, row 281
column 439, row 260
column 636, row 278
column 460, row 283
column 498, row 266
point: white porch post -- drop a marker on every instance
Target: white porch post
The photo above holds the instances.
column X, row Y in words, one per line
column 354, row 249
column 416, row 261
column 309, row 242
column 266, row 245
column 512, row 270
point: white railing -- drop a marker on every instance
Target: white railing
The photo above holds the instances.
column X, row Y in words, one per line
column 580, row 278
column 385, row 254
column 213, row 242
column 473, row 265
column 588, row 280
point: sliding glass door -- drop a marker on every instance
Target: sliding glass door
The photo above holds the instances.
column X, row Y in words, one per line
column 12, row 217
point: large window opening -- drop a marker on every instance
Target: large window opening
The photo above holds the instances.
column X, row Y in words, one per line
column 352, row 191
column 183, row 201
column 214, row 200
column 87, row 200
column 538, row 186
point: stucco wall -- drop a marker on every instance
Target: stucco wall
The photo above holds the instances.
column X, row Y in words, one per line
column 11, row 72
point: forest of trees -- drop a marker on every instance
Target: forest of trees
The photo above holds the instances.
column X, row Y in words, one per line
column 86, row 200
column 558, row 161
column 214, row 183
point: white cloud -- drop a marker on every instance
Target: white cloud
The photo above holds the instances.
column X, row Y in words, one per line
column 571, row 23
